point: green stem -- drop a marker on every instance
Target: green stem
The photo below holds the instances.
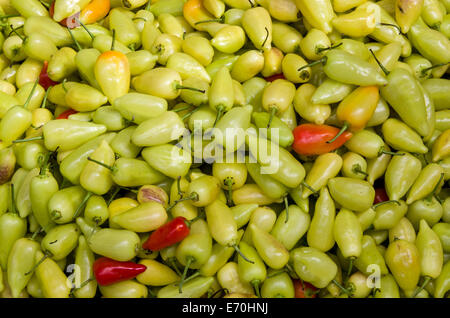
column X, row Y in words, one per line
column 392, row 25
column 86, row 29
column 28, row 139
column 385, row 202
column 315, row 192
column 46, row 255
column 267, row 36
column 321, row 49
column 425, row 283
column 236, row 248
column 382, row 151
column 350, row 267
column 113, row 195
column 189, row 261
column 425, row 70
column 193, row 196
column 173, row 264
column 343, row 129
column 179, row 86
column 273, row 111
column 220, row 20
column 255, row 284
column 44, row 101
column 181, row 109
column 31, row 94
column 74, row 40
column 342, row 288
column 385, row 71
column 14, row 30
column 286, row 204
column 357, row 169
column 220, row 110
column 82, row 204
column 436, row 187
column 113, row 42
column 323, row 60
column 229, row 194
column 104, row 165
column 190, row 113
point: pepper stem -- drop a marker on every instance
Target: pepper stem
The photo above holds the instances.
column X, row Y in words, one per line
column 44, row 101
column 189, row 261
column 220, row 110
column 382, row 151
column 392, row 25
column 25, row 105
column 87, row 281
column 384, row 69
column 12, row 208
column 102, row 164
column 321, row 49
column 220, row 20
column 46, row 255
column 385, row 202
column 425, row 70
column 179, row 86
column 181, row 109
column 323, row 60
column 357, row 169
column 229, row 194
column 14, row 30
column 350, row 266
column 273, row 111
column 85, row 28
column 267, row 36
column 28, row 139
column 425, row 283
column 173, row 264
column 342, row 288
column 255, row 284
column 190, row 113
column 82, row 204
column 193, row 196
column 180, row 193
column 436, row 187
column 236, row 248
column 113, row 195
column 44, row 163
column 343, row 129
column 113, row 42
column 286, row 204
column 315, row 192
column 74, row 40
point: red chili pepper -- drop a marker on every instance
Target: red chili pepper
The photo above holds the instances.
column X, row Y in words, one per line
column 108, row 271
column 66, row 114
column 44, row 79
column 311, row 139
column 304, row 289
column 275, row 77
column 380, row 196
column 169, row 234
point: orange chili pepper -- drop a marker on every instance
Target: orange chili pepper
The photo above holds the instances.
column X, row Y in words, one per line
column 112, row 72
column 95, row 11
column 357, row 108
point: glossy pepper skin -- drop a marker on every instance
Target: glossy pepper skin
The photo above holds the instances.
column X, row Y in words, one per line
column 167, row 235
column 108, row 271
column 311, row 139
column 403, row 94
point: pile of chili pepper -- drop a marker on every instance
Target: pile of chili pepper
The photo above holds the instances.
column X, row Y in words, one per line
column 342, row 108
